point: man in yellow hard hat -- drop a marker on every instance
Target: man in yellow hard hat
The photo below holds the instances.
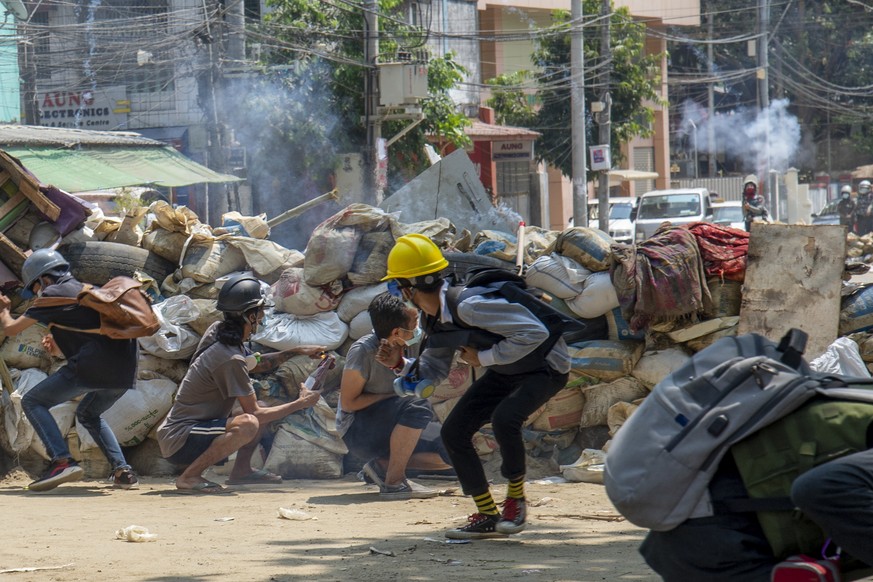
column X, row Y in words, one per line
column 526, row 364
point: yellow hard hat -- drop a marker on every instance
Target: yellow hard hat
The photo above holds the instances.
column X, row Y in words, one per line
column 414, row 255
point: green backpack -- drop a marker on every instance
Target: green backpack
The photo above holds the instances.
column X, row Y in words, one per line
column 771, row 459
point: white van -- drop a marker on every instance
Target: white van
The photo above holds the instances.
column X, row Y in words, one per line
column 621, row 226
column 676, row 206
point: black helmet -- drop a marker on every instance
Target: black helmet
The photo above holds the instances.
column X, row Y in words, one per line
column 42, row 262
column 239, row 294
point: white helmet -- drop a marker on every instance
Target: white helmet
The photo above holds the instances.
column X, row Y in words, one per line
column 864, row 187
column 848, row 189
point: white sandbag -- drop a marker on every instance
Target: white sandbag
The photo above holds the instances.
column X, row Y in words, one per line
column 332, row 248
column 357, row 300
column 25, row 350
column 360, row 325
column 293, row 457
column 265, row 257
column 149, row 367
column 619, row 413
column 209, row 314
column 563, row 410
column 597, row 298
column 292, row 294
column 135, row 413
column 283, row 331
column 560, row 277
column 600, row 397
column 620, row 329
column 207, row 261
column 19, row 432
column 165, row 243
column 371, row 259
column 605, row 360
column 654, row 366
column 177, row 310
column 589, row 247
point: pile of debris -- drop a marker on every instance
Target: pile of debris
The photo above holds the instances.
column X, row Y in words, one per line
column 642, row 325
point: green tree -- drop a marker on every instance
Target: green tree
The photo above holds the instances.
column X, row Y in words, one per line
column 540, row 99
column 325, row 43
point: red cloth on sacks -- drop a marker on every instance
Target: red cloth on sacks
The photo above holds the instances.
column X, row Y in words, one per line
column 723, row 249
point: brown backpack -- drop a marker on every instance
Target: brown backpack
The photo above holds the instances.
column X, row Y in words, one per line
column 125, row 310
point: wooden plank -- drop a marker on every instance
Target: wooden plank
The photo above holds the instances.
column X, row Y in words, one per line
column 11, row 254
column 793, row 279
column 28, row 186
column 11, row 203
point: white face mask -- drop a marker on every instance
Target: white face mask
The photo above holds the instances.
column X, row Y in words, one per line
column 416, row 336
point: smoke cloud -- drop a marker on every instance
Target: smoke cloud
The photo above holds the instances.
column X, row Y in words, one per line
column 292, row 135
column 748, row 135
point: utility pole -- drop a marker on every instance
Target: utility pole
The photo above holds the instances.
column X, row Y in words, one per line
column 764, row 97
column 372, row 195
column 605, row 119
column 710, row 122
column 577, row 116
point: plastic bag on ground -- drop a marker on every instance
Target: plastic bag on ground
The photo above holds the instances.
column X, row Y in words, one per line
column 283, row 331
column 842, row 357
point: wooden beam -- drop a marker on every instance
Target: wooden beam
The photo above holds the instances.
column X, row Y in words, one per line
column 11, row 254
column 29, row 186
column 10, row 204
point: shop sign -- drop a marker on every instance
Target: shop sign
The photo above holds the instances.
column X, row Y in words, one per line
column 512, row 150
column 104, row 108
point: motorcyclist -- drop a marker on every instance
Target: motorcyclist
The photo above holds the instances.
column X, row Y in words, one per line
column 846, row 207
column 864, row 209
column 753, row 203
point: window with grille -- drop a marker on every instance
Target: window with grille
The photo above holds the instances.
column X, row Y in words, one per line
column 513, row 178
column 38, row 34
column 114, row 31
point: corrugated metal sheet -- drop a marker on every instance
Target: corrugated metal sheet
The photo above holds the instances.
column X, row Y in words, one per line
column 36, row 135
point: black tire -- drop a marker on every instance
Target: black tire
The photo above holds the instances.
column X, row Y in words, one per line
column 96, row 262
column 461, row 263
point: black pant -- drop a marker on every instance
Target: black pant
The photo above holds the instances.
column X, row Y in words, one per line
column 838, row 496
column 506, row 402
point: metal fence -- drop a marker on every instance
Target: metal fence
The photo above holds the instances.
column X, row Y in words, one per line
column 729, row 188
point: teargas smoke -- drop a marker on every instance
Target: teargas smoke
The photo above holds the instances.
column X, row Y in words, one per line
column 292, row 134
column 746, row 134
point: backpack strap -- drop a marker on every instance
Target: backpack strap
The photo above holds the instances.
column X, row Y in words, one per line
column 792, row 345
column 64, row 302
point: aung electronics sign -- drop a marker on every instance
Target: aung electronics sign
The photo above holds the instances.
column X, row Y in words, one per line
column 105, row 108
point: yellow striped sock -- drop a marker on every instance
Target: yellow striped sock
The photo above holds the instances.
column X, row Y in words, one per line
column 485, row 504
column 515, row 488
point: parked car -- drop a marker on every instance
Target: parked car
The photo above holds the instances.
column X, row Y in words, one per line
column 827, row 215
column 729, row 214
column 621, row 226
column 676, row 206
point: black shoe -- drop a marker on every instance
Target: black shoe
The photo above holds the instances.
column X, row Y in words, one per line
column 479, row 526
column 58, row 472
column 124, row 479
column 514, row 514
column 373, row 473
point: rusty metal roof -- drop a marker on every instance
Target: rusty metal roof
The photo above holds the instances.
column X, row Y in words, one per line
column 35, row 135
column 483, row 130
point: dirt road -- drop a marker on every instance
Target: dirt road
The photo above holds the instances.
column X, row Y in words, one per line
column 349, row 534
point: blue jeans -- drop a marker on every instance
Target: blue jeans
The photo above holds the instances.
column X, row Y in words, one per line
column 60, row 387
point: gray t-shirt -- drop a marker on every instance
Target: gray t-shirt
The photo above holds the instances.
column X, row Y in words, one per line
column 212, row 384
column 362, row 357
